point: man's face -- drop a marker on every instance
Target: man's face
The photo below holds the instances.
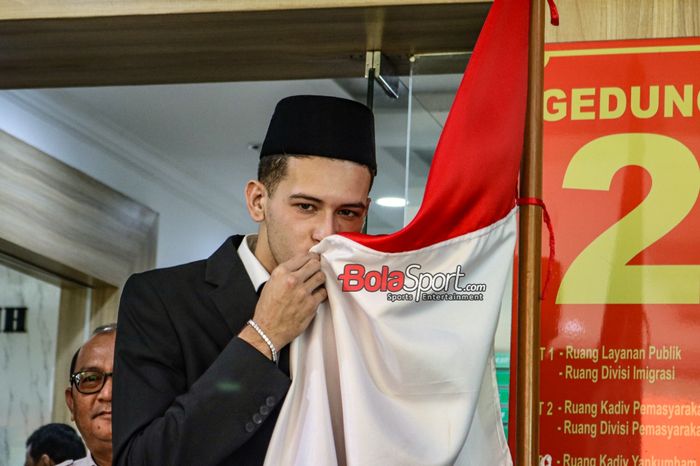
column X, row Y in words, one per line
column 317, row 197
column 93, row 413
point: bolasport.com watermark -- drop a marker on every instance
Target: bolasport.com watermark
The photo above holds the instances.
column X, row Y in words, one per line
column 411, row 284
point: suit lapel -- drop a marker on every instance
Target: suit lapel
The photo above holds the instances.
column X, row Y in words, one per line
column 234, row 295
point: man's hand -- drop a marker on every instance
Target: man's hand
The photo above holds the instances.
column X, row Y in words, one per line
column 288, row 302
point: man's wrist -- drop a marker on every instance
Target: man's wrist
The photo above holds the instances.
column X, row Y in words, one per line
column 265, row 338
column 250, row 336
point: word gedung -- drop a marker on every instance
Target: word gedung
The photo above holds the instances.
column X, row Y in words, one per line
column 356, row 278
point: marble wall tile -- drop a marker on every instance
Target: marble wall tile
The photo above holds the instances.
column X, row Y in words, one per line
column 26, row 361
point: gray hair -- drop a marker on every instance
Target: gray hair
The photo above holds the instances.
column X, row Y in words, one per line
column 107, row 328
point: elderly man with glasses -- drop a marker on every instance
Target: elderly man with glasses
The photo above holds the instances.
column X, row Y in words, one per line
column 89, row 396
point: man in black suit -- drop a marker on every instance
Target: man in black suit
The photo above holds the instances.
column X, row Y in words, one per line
column 201, row 366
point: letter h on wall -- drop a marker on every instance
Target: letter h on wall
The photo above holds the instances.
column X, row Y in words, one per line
column 15, row 320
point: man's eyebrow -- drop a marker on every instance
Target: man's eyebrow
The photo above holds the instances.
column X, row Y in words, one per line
column 90, row 369
column 306, row 197
column 358, row 205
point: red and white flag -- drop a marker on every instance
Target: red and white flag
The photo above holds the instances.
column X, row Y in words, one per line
column 396, row 368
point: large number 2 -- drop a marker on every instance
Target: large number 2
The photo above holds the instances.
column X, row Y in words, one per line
column 600, row 274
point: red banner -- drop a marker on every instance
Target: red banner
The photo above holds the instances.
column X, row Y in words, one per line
column 620, row 356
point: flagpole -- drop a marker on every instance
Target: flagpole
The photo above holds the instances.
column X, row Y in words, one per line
column 528, row 377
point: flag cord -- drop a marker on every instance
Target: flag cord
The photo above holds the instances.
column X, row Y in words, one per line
column 550, row 229
column 553, row 13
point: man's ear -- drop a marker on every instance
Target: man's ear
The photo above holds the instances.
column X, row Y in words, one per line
column 44, row 460
column 256, row 196
column 69, row 402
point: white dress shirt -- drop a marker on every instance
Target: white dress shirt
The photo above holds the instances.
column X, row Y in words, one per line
column 257, row 273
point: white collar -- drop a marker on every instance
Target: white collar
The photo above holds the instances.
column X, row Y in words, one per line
column 86, row 461
column 257, row 273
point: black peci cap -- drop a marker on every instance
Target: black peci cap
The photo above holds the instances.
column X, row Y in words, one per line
column 322, row 126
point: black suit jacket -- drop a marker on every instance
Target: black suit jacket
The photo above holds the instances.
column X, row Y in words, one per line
column 187, row 391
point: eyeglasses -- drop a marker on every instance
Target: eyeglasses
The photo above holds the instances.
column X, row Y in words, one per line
column 89, row 382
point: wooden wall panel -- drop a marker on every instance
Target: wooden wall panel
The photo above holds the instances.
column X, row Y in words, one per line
column 72, row 308
column 624, row 19
column 12, row 9
column 227, row 46
column 103, row 306
column 56, row 217
column 83, row 42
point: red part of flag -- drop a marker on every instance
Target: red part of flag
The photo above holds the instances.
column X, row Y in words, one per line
column 473, row 176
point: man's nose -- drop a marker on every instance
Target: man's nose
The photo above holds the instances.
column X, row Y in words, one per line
column 325, row 227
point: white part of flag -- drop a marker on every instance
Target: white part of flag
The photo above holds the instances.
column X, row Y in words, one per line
column 377, row 382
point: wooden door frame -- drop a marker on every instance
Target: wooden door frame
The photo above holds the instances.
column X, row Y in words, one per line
column 89, row 237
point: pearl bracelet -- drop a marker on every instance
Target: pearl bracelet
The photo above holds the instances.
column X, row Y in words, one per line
column 265, row 338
